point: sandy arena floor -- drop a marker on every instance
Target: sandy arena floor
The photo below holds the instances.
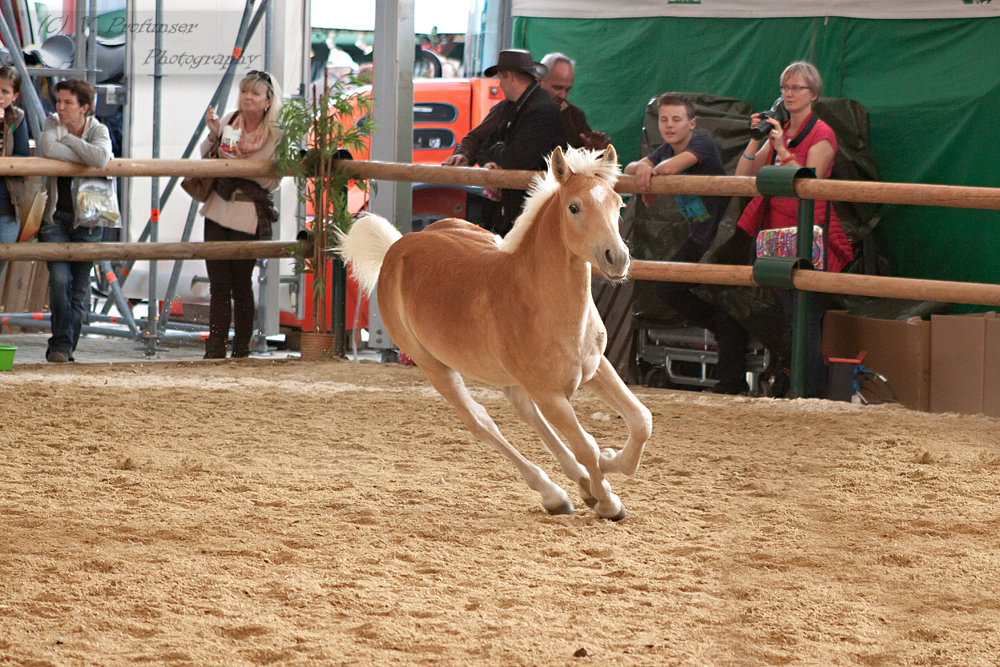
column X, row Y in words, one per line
column 279, row 512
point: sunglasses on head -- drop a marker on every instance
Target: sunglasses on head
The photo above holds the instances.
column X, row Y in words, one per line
column 262, row 76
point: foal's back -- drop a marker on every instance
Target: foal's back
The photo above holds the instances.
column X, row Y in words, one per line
column 446, row 290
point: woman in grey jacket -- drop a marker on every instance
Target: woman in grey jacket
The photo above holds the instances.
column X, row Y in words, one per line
column 71, row 134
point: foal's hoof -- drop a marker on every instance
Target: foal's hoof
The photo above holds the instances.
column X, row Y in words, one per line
column 565, row 508
column 584, row 484
column 618, row 517
column 612, row 510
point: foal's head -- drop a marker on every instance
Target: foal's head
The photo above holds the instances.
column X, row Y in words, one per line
column 590, row 207
column 579, row 188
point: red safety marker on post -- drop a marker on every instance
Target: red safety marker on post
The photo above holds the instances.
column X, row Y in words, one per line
column 154, row 215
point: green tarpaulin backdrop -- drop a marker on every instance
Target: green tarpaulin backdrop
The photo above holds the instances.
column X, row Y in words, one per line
column 932, row 88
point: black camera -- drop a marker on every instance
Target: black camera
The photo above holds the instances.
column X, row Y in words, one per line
column 778, row 112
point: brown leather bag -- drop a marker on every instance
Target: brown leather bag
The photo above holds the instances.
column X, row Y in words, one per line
column 200, row 187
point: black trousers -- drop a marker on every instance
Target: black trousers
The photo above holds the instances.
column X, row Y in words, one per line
column 231, row 286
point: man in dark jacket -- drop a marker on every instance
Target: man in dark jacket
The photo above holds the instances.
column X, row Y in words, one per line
column 528, row 127
column 557, row 83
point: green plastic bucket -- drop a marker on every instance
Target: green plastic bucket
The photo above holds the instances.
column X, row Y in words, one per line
column 7, row 357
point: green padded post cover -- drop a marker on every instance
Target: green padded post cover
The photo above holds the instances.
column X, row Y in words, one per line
column 780, row 181
column 777, row 271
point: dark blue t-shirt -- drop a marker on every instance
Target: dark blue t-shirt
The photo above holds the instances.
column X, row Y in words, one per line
column 702, row 213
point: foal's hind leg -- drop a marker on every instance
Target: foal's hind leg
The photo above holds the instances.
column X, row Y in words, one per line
column 450, row 385
column 559, row 412
column 610, row 388
column 528, row 411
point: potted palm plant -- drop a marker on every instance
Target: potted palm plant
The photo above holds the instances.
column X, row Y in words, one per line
column 317, row 130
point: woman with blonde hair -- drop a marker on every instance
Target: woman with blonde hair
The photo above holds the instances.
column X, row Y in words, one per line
column 239, row 209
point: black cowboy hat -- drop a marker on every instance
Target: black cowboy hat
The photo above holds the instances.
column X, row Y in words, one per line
column 519, row 60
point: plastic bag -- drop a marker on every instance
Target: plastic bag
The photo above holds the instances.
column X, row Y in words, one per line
column 96, row 202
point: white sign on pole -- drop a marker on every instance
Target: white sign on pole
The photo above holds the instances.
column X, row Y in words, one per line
column 448, row 16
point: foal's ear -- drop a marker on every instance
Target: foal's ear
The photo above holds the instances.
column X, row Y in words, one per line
column 558, row 165
column 610, row 155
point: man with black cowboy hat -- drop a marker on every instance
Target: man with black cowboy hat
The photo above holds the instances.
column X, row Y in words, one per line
column 530, row 127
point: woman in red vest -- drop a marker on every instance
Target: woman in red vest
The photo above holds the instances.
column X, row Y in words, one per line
column 802, row 141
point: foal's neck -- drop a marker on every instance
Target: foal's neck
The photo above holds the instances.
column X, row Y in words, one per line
column 552, row 261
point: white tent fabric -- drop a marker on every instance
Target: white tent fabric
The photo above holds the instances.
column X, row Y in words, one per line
column 448, row 16
column 754, row 9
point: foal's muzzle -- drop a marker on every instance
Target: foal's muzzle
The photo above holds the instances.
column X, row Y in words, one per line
column 612, row 261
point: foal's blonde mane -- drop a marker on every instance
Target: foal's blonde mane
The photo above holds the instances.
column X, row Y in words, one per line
column 580, row 161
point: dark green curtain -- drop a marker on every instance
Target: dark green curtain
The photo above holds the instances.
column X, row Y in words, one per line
column 932, row 88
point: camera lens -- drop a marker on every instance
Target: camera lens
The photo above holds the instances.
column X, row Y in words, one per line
column 760, row 130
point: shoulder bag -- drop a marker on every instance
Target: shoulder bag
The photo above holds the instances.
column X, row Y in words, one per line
column 200, row 187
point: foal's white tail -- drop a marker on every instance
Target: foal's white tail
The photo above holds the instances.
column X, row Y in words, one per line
column 364, row 248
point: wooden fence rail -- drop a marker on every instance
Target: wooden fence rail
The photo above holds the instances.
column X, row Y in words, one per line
column 712, row 274
column 889, row 193
column 123, row 252
column 951, row 196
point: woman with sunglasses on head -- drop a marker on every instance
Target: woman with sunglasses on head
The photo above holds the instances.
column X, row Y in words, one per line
column 239, row 209
column 803, row 141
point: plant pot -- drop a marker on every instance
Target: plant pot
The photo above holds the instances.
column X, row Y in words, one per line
column 7, row 357
column 313, row 346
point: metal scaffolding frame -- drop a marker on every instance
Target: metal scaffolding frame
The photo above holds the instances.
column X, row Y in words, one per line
column 85, row 41
column 157, row 319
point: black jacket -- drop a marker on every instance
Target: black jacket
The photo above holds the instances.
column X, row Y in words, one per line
column 528, row 131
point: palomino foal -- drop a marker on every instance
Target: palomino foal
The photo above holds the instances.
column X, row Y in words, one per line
column 517, row 313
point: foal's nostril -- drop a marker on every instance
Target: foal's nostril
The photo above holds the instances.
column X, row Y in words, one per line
column 608, row 257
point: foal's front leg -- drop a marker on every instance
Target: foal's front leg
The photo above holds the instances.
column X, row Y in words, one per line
column 559, row 412
column 610, row 388
column 528, row 411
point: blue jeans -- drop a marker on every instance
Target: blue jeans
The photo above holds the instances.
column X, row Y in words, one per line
column 68, row 283
column 9, row 227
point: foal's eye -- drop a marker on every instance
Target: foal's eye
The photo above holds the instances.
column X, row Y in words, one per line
column 574, row 209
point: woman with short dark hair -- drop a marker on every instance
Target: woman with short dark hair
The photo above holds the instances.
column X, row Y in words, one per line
column 71, row 134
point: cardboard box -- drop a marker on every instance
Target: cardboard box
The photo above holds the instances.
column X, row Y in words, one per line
column 898, row 349
column 991, row 369
column 965, row 364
